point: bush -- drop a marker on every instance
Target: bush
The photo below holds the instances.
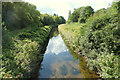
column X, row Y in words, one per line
column 108, row 65
column 23, row 51
column 19, row 59
column 102, row 40
column 98, row 40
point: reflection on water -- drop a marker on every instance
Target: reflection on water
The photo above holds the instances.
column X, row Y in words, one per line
column 58, row 62
column 56, row 46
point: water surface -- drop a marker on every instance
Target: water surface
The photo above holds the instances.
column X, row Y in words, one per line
column 58, row 62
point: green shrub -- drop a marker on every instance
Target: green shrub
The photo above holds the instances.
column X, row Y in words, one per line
column 22, row 51
column 102, row 40
column 19, row 59
column 107, row 65
column 98, row 40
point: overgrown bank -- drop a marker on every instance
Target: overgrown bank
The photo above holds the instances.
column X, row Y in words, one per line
column 98, row 40
column 25, row 34
column 23, row 52
column 84, row 69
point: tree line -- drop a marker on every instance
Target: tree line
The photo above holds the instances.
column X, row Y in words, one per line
column 80, row 15
column 18, row 15
column 25, row 32
column 99, row 38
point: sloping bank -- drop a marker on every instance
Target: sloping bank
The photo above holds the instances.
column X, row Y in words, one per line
column 104, row 63
column 23, row 51
column 98, row 39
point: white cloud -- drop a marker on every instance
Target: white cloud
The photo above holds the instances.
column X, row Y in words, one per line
column 62, row 7
column 56, row 46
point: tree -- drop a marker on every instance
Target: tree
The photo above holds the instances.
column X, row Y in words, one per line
column 81, row 14
column 17, row 15
column 69, row 13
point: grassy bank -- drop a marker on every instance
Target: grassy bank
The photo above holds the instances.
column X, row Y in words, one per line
column 105, row 64
column 71, row 34
column 23, row 51
column 84, row 69
column 98, row 40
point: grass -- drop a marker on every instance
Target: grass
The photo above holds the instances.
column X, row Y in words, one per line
column 72, row 31
column 75, row 36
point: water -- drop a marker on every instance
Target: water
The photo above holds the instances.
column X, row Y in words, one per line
column 58, row 62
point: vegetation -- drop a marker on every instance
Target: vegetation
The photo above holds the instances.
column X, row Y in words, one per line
column 23, row 51
column 81, row 14
column 19, row 15
column 47, row 19
column 98, row 40
column 92, row 34
column 25, row 34
column 84, row 69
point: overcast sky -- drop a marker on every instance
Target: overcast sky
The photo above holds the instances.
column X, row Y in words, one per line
column 62, row 7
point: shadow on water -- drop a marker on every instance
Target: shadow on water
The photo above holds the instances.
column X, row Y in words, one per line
column 60, row 62
column 54, row 32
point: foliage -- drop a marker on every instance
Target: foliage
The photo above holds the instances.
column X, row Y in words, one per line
column 19, row 15
column 105, row 66
column 46, row 19
column 18, row 63
column 6, row 37
column 98, row 40
column 24, row 38
column 81, row 14
column 62, row 20
column 49, row 20
column 21, row 59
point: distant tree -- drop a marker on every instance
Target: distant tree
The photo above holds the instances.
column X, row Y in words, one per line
column 81, row 14
column 63, row 19
column 54, row 14
column 69, row 13
column 18, row 15
column 74, row 9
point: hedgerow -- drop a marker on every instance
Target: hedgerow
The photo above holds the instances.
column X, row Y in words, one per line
column 98, row 40
column 23, row 51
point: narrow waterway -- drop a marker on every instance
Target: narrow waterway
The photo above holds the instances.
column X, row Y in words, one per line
column 58, row 62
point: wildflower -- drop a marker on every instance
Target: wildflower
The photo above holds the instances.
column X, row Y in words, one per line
column 21, row 74
column 97, row 60
column 18, row 76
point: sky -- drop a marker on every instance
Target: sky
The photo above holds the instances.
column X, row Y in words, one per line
column 62, row 7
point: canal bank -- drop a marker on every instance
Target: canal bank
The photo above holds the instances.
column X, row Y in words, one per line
column 24, row 54
column 59, row 61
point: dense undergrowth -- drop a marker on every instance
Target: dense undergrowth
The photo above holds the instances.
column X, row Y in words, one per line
column 98, row 40
column 85, row 71
column 22, row 51
column 25, row 34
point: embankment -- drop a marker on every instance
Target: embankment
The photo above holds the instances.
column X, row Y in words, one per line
column 75, row 35
column 97, row 39
column 23, row 50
